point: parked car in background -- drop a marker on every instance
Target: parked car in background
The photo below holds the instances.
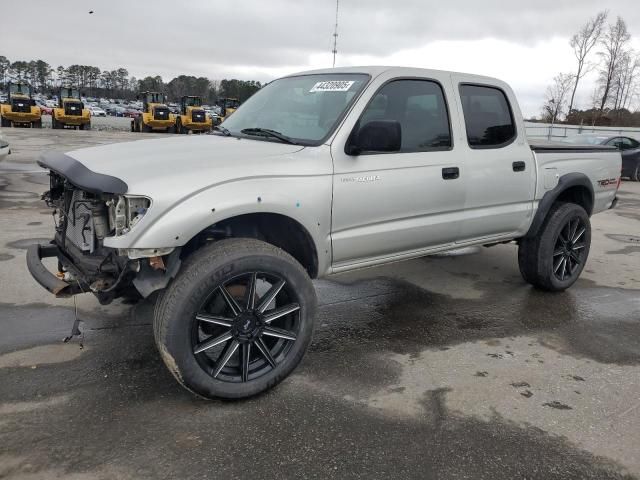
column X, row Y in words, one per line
column 96, row 111
column 115, row 110
column 44, row 109
column 131, row 113
column 51, row 103
column 629, row 148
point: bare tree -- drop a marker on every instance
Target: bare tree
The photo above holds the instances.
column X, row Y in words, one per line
column 557, row 96
column 582, row 43
column 613, row 43
column 626, row 78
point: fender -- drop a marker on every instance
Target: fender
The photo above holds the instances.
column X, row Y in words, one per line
column 564, row 183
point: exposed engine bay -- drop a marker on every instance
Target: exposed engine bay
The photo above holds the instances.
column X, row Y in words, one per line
column 82, row 221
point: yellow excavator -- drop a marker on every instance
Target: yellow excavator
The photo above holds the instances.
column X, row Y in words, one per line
column 227, row 107
column 70, row 111
column 20, row 110
column 155, row 116
column 192, row 116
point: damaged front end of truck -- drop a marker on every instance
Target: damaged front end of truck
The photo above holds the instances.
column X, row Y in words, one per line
column 87, row 208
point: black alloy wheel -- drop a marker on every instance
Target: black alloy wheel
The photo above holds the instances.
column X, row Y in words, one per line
column 246, row 327
column 236, row 320
column 553, row 258
column 569, row 249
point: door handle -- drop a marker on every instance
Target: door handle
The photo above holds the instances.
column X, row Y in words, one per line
column 450, row 173
column 519, row 166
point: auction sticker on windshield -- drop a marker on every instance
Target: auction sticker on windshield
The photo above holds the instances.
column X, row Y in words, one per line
column 332, row 86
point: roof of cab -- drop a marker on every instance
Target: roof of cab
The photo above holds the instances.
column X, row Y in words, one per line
column 375, row 70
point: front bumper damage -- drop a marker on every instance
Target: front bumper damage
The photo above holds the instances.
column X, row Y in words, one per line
column 40, row 273
column 88, row 208
column 143, row 276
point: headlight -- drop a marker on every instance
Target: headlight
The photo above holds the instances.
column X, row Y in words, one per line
column 125, row 212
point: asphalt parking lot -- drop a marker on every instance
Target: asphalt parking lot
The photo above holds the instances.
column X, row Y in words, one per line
column 446, row 367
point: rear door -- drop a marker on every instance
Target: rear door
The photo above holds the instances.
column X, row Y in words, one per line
column 499, row 169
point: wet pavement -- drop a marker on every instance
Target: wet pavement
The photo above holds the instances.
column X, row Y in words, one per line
column 445, row 367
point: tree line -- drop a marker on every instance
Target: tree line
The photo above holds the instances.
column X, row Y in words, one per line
column 94, row 82
column 602, row 47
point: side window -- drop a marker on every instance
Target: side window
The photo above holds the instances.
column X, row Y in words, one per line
column 628, row 144
column 487, row 116
column 616, row 142
column 420, row 108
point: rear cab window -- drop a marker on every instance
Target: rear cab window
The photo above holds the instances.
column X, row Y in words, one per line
column 488, row 116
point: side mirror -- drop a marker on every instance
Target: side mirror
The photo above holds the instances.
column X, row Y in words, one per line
column 376, row 136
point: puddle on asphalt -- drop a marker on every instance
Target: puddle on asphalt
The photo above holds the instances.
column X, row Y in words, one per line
column 26, row 407
column 41, row 355
column 593, row 322
column 25, row 243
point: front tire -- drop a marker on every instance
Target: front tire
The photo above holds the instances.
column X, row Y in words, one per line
column 237, row 319
column 554, row 259
column 636, row 174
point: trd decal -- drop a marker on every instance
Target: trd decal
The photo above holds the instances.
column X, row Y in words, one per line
column 607, row 182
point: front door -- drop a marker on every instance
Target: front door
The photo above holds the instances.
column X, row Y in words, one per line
column 388, row 205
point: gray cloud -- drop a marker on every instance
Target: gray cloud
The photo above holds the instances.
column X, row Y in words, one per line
column 251, row 38
column 171, row 36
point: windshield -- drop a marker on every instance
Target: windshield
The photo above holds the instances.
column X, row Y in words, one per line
column 19, row 88
column 155, row 97
column 230, row 103
column 193, row 101
column 68, row 92
column 305, row 108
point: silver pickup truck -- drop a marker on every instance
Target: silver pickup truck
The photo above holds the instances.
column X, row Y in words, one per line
column 319, row 172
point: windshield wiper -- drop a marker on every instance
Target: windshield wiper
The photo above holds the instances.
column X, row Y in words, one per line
column 222, row 130
column 266, row 132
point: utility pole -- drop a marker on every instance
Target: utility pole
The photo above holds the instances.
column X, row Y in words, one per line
column 335, row 36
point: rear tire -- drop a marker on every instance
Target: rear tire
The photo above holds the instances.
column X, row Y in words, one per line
column 229, row 283
column 554, row 259
column 635, row 176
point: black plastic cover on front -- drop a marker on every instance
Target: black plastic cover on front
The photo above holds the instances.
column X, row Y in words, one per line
column 80, row 176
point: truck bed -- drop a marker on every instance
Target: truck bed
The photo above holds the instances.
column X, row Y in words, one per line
column 550, row 146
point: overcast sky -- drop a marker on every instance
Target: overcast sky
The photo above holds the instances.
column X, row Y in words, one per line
column 524, row 43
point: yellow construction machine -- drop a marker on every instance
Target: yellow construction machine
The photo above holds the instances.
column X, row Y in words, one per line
column 192, row 116
column 70, row 111
column 20, row 110
column 155, row 115
column 227, row 106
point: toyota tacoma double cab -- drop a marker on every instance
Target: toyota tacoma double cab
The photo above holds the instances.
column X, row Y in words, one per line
column 317, row 173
